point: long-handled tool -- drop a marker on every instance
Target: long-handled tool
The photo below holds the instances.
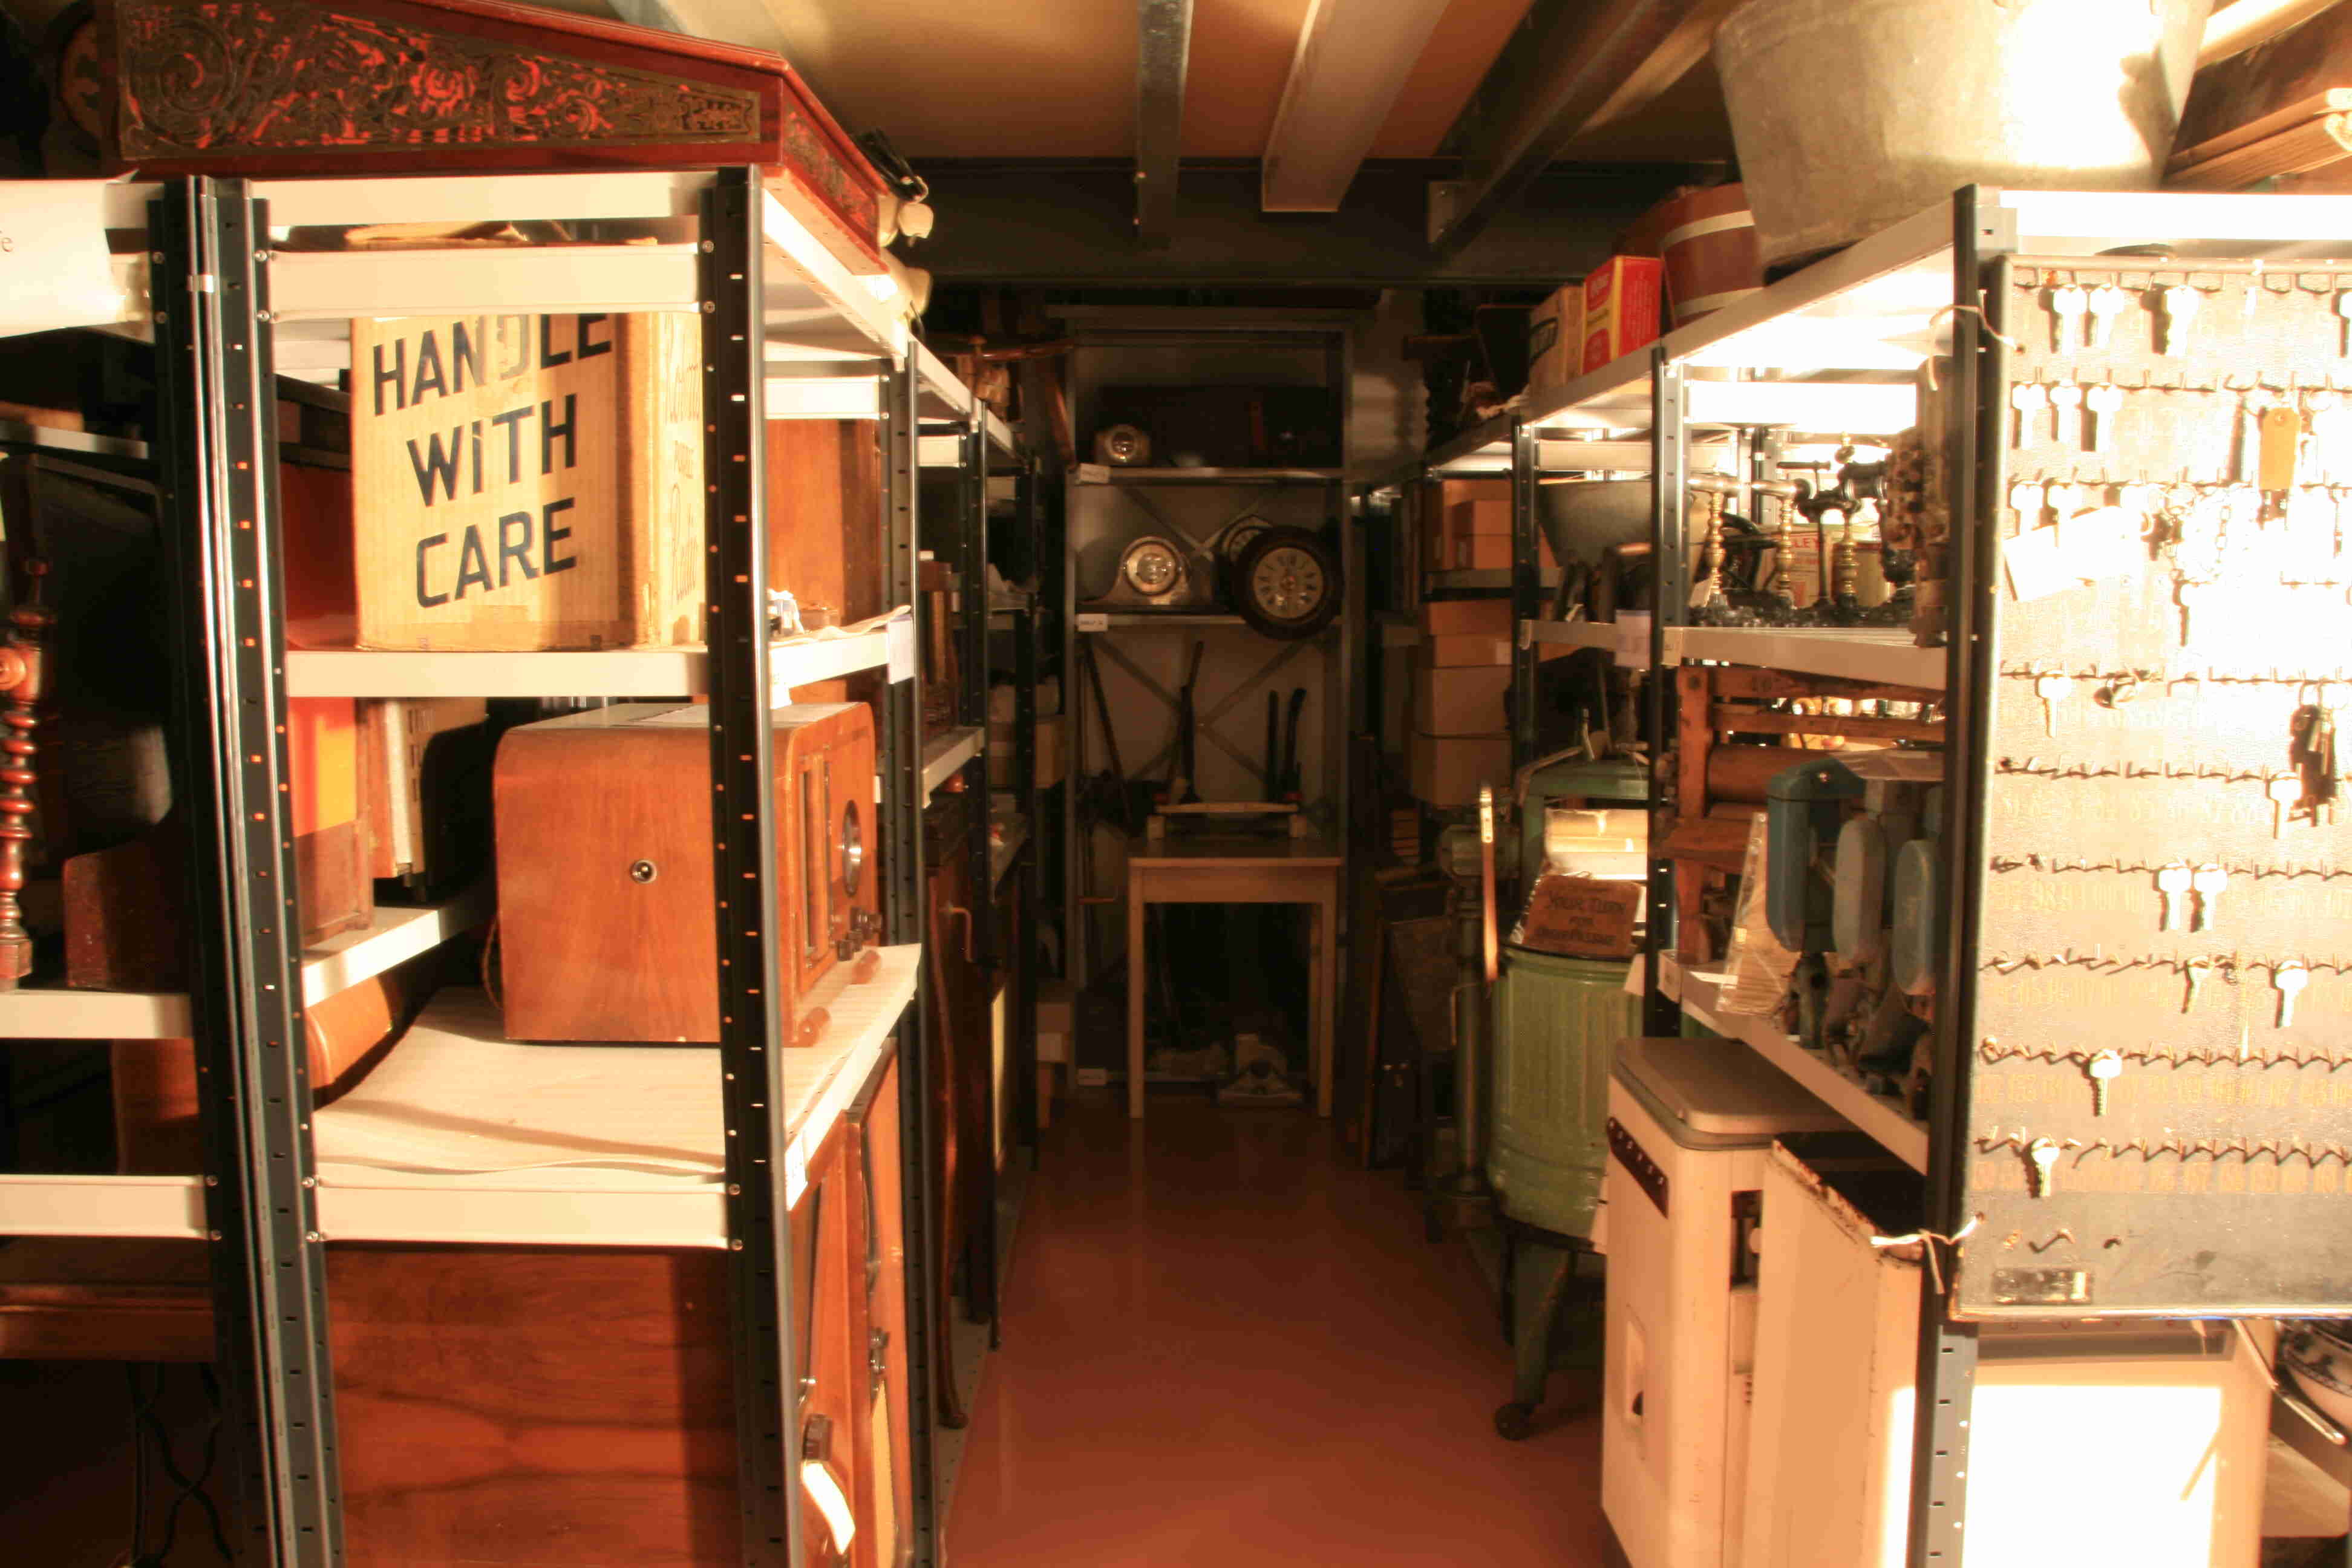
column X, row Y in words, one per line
column 1290, row 776
column 1273, row 746
column 1183, row 788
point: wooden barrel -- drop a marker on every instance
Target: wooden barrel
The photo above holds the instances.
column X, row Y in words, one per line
column 1709, row 246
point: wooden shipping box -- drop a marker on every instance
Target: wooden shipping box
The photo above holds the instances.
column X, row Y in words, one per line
column 1448, row 769
column 1492, row 553
column 528, row 482
column 1460, row 700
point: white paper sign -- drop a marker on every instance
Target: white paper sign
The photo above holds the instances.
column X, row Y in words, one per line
column 53, row 257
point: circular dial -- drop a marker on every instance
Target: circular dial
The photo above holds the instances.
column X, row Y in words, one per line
column 853, row 850
column 1151, row 567
column 1288, row 583
column 1238, row 537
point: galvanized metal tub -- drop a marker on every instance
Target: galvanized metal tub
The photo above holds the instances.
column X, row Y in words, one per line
column 1851, row 115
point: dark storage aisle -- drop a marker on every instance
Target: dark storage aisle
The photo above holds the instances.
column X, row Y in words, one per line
column 1224, row 1343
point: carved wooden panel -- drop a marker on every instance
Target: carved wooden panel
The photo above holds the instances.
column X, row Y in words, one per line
column 261, row 75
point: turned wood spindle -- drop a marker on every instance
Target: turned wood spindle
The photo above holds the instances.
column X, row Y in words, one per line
column 23, row 671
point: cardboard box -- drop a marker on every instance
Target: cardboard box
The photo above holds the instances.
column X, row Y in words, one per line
column 1621, row 307
column 1460, row 700
column 1474, row 650
column 1465, row 618
column 1481, row 515
column 526, row 482
column 1049, row 754
column 1555, row 339
column 1439, row 502
column 1492, row 553
column 1448, row 769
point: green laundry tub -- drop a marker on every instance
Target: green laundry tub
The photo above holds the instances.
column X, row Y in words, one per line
column 1557, row 1025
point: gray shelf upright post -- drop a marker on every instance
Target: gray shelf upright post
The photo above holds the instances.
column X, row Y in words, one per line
column 1669, row 452
column 217, row 425
column 742, row 768
column 1526, row 594
column 901, row 755
column 1972, row 446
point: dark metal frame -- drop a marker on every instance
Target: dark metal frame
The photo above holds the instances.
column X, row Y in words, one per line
column 1526, row 594
column 219, row 516
column 1669, row 457
column 901, row 753
column 742, row 773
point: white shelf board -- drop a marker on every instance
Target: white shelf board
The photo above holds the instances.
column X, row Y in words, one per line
column 1602, row 635
column 603, row 1145
column 126, row 1206
column 393, row 937
column 1102, row 474
column 623, row 672
column 1883, row 1119
column 335, row 285
column 944, row 752
column 53, row 1013
column 604, row 196
column 1857, row 655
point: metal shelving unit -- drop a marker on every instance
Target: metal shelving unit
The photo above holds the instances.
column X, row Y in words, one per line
column 1835, row 351
column 225, row 308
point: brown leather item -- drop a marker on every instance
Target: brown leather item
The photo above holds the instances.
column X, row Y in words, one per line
column 605, row 892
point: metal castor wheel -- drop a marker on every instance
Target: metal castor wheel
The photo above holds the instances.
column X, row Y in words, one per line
column 1514, row 1421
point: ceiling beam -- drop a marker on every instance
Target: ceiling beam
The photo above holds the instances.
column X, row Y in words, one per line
column 1353, row 59
column 1592, row 66
column 1164, row 51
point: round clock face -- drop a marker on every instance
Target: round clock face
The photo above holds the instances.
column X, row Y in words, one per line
column 853, row 850
column 1238, row 537
column 1289, row 584
column 1151, row 567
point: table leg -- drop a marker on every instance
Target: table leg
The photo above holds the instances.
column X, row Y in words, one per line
column 1135, row 982
column 1327, row 993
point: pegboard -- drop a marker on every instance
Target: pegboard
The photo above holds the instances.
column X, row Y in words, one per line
column 2151, row 1129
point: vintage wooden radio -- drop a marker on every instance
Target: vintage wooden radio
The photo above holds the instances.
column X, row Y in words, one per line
column 605, row 913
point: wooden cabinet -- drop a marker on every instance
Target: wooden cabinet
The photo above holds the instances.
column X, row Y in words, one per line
column 525, row 1407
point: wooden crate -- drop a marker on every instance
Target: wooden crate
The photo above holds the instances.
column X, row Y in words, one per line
column 528, row 482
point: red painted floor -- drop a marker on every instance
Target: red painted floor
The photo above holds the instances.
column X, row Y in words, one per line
column 1223, row 1345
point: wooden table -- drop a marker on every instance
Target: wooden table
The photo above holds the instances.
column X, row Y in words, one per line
column 1236, row 870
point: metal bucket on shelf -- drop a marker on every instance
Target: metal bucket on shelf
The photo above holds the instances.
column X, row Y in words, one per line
column 1851, row 115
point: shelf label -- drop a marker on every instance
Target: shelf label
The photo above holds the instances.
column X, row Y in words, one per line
column 898, row 646
column 1094, row 473
column 1095, row 621
column 53, row 255
column 1632, row 639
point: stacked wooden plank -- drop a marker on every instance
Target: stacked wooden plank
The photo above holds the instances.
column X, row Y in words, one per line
column 2309, row 133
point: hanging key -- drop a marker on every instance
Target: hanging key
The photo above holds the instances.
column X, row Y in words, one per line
column 2105, row 303
column 2180, row 311
column 2290, row 978
column 2286, row 797
column 2042, row 1159
column 2027, row 498
column 2173, row 882
column 2028, row 398
column 2068, row 305
column 2104, row 1070
column 2067, row 399
column 2103, row 402
column 2208, row 884
column 2051, row 689
column 2194, row 970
